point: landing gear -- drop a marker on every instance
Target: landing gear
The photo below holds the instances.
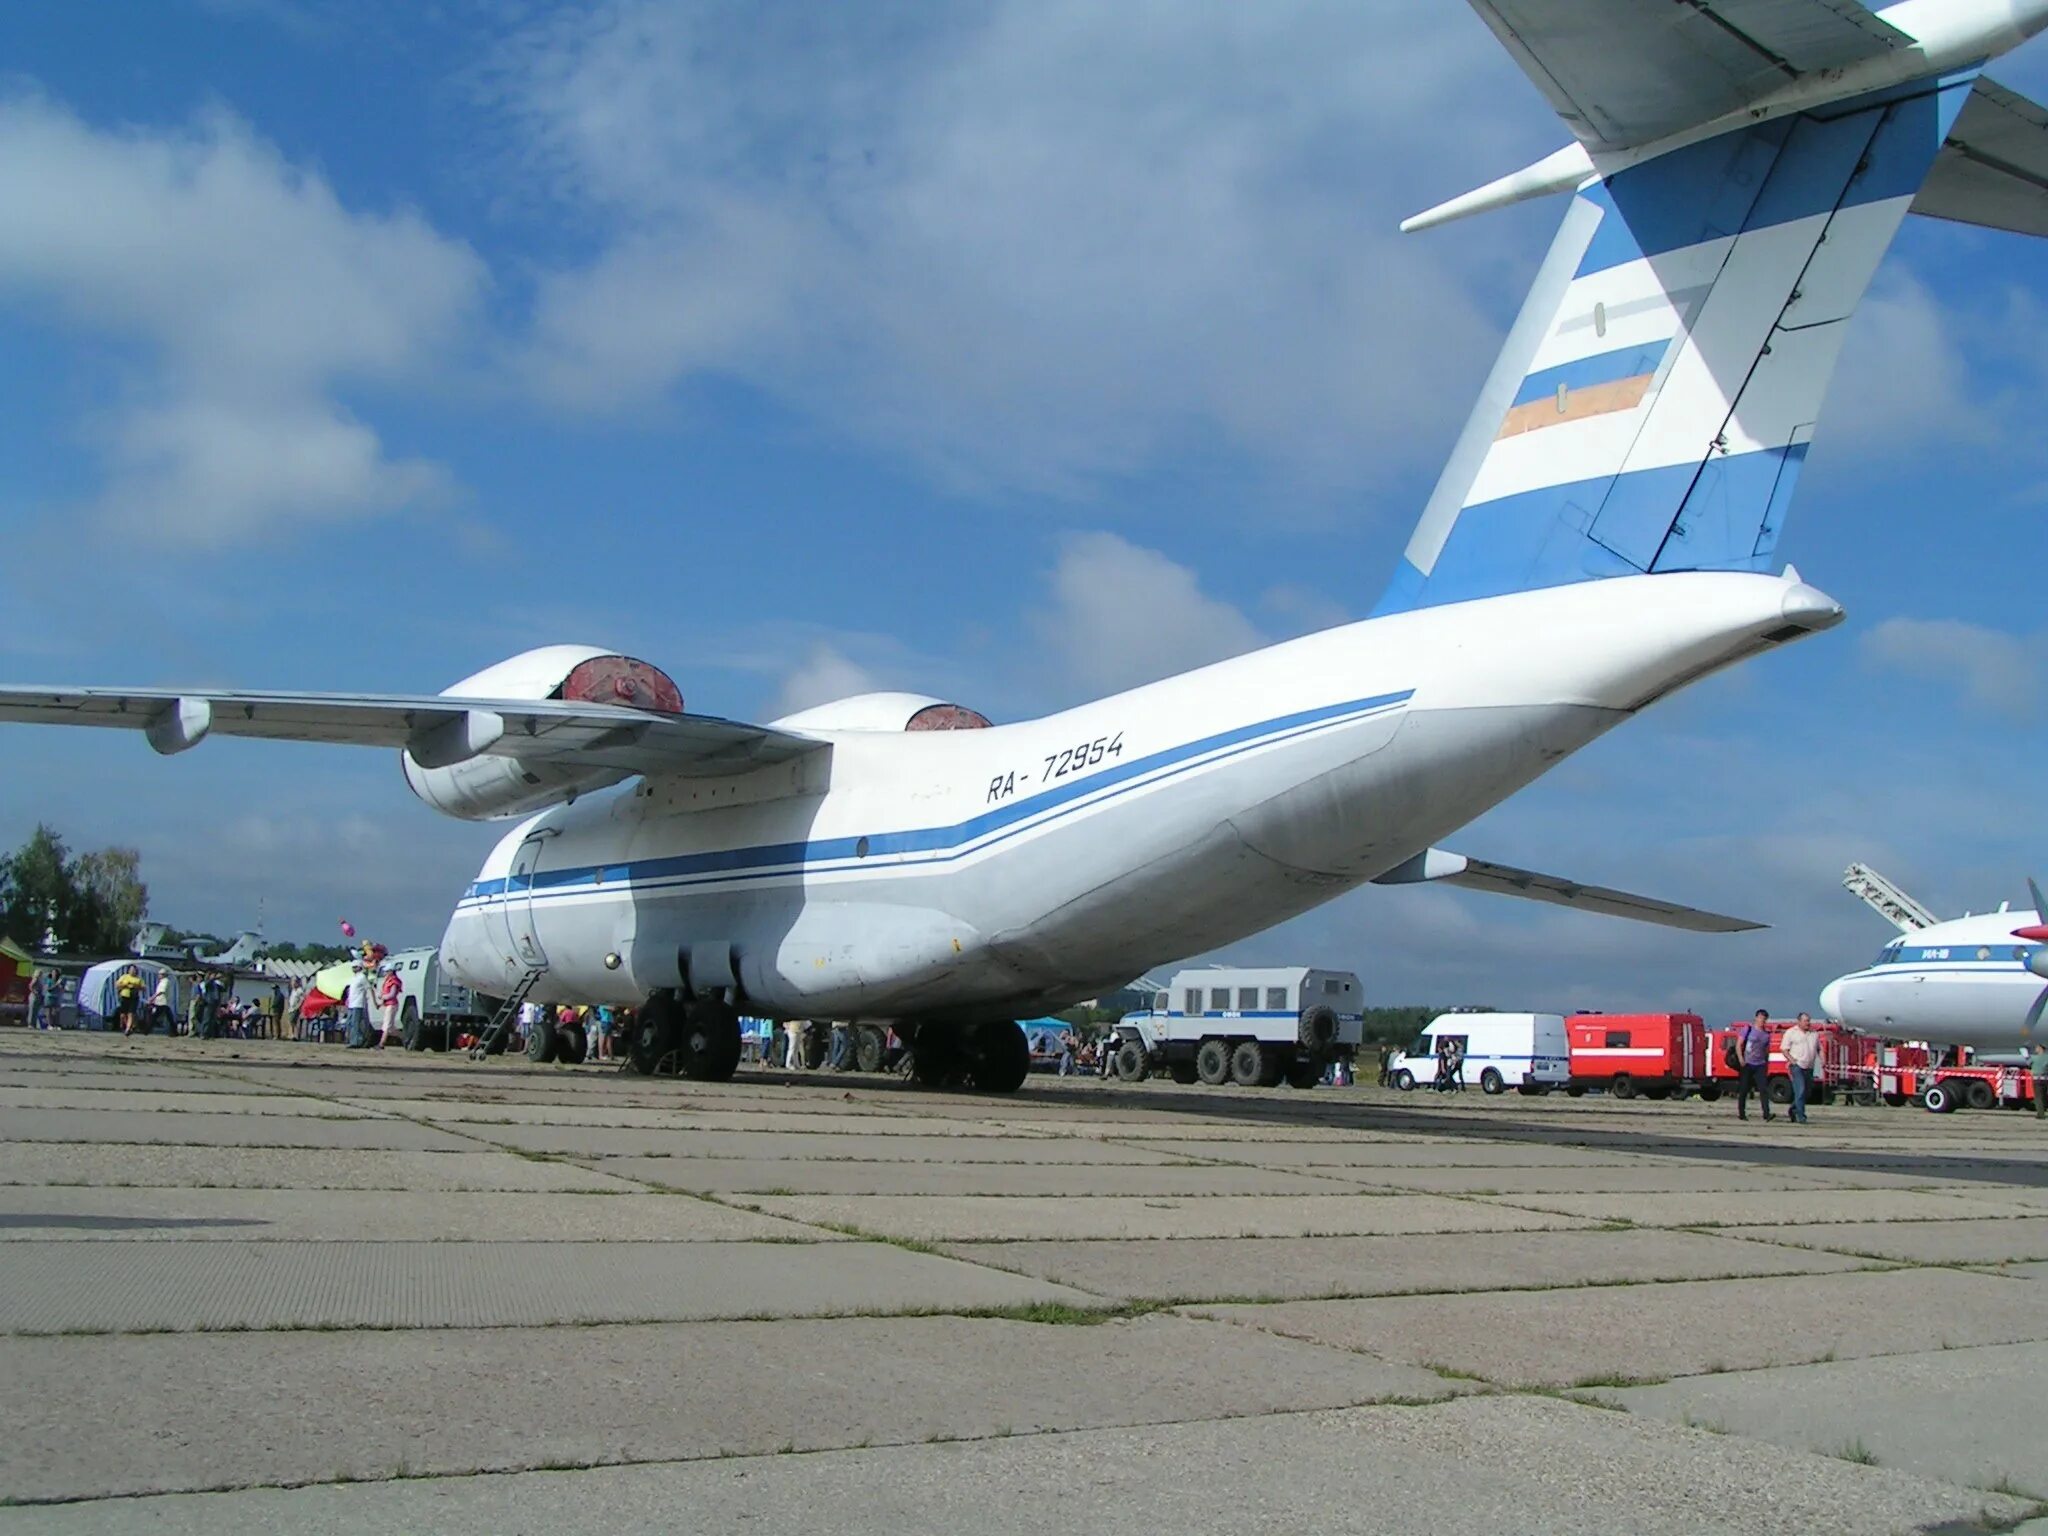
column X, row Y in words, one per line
column 409, row 1029
column 656, row 1034
column 571, row 1045
column 998, row 1056
column 708, row 1049
column 540, row 1040
column 935, row 1056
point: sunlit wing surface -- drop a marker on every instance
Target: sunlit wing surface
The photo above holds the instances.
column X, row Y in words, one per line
column 1447, row 868
column 1623, row 73
column 435, row 727
column 1993, row 168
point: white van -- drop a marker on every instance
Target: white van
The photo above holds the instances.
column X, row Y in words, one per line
column 1524, row 1051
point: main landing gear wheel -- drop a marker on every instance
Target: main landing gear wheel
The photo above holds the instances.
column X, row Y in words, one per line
column 936, row 1056
column 409, row 1030
column 1248, row 1064
column 571, row 1045
column 709, row 1048
column 655, row 1036
column 1492, row 1082
column 998, row 1056
column 1212, row 1062
column 1133, row 1062
column 540, row 1041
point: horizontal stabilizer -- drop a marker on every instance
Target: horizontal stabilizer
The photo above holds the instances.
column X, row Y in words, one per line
column 591, row 735
column 1993, row 168
column 1440, row 864
column 1622, row 73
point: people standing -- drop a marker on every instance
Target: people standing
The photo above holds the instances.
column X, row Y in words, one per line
column 2037, row 1066
column 127, row 997
column 160, row 1006
column 1802, row 1052
column 601, row 1024
column 1753, row 1049
column 42, row 1001
column 841, row 1057
column 358, row 1017
column 795, row 1047
column 390, row 996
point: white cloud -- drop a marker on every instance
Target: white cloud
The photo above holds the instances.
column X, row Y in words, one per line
column 252, row 294
column 1997, row 671
column 824, row 675
column 1118, row 615
column 1029, row 244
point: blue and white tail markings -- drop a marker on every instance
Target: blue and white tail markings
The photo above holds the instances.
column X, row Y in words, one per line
column 1652, row 406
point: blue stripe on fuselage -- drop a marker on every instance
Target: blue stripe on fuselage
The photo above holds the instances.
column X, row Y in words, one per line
column 940, row 844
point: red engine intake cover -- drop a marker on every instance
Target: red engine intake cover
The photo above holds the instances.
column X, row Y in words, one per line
column 623, row 681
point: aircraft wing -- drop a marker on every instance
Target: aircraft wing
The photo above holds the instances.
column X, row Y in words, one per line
column 437, row 729
column 1439, row 864
column 1627, row 72
column 1993, row 167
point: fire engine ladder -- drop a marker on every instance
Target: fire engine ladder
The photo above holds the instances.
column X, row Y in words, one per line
column 500, row 1026
column 1886, row 899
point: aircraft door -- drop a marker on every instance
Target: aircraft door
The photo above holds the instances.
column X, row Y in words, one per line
column 522, row 939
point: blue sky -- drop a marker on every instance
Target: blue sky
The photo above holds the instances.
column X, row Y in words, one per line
column 1013, row 352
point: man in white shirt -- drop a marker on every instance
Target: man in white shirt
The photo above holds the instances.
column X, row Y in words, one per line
column 1801, row 1046
column 358, row 1009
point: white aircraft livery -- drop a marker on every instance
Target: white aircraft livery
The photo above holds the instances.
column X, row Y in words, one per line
column 1977, row 980
column 1602, row 535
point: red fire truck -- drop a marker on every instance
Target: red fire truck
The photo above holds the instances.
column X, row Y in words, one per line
column 1848, row 1063
column 1911, row 1073
column 1659, row 1055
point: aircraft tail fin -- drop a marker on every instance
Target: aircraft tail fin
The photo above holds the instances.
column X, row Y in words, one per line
column 1652, row 406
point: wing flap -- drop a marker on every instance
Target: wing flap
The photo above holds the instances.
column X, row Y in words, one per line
column 1623, row 73
column 598, row 735
column 1993, row 167
column 1439, row 864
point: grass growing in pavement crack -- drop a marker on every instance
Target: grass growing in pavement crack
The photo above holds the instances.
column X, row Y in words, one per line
column 1857, row 1452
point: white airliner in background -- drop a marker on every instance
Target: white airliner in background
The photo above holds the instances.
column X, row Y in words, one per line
column 1602, row 535
column 1974, row 980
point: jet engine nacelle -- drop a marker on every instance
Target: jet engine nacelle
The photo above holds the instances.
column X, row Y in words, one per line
column 488, row 786
column 886, row 712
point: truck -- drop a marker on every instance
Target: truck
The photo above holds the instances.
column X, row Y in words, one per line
column 1659, row 1055
column 1524, row 1051
column 434, row 1008
column 1255, row 1026
column 1846, row 1069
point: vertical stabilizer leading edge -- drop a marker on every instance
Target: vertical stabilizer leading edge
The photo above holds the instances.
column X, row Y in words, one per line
column 1653, row 404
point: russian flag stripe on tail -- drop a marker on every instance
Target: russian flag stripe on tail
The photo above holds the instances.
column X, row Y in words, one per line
column 1652, row 405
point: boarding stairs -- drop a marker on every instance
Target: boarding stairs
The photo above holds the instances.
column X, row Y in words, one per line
column 1886, row 899
column 499, row 1030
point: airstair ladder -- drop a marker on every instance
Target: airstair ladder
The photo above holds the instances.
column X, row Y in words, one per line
column 1887, row 900
column 501, row 1023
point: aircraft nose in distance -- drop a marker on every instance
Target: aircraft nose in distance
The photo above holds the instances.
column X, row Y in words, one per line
column 1831, row 999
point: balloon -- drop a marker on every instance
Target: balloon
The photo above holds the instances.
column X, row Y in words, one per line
column 348, row 929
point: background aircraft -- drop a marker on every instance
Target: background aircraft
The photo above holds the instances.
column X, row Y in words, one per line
column 1602, row 535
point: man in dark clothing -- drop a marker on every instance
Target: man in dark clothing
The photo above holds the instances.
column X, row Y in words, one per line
column 1753, row 1043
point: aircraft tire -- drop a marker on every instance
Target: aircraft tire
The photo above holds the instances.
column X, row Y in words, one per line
column 870, row 1048
column 1492, row 1082
column 409, row 1027
column 1183, row 1073
column 540, row 1041
column 708, row 1050
column 1304, row 1073
column 1133, row 1062
column 571, row 1045
column 1248, row 1064
column 999, row 1057
column 934, row 1056
column 653, row 1040
column 1212, row 1062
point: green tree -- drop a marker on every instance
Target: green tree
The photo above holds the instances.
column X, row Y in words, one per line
column 113, row 900
column 93, row 902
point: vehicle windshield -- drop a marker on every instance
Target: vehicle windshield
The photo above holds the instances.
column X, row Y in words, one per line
column 1423, row 1046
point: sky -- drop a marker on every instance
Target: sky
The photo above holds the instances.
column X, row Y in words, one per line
column 1011, row 352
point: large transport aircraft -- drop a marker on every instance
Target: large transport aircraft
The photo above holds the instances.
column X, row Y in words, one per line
column 1974, row 980
column 1602, row 535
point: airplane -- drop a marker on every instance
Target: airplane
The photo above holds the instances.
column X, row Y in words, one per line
column 1974, row 980
column 151, row 944
column 1602, row 535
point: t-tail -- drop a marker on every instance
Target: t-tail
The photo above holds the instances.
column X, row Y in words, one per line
column 1738, row 174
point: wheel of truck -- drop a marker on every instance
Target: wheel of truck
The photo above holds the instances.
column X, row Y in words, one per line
column 540, row 1040
column 409, row 1030
column 1940, row 1099
column 1659, row 1092
column 1780, row 1090
column 1304, row 1073
column 1182, row 1072
column 1212, row 1061
column 1404, row 1080
column 1575, row 1090
column 870, row 1048
column 1319, row 1029
column 1894, row 1100
column 1980, row 1095
column 1710, row 1093
column 653, row 1041
column 1623, row 1086
column 1492, row 1082
column 1133, row 1062
column 1248, row 1064
column 571, row 1045
column 998, row 1056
